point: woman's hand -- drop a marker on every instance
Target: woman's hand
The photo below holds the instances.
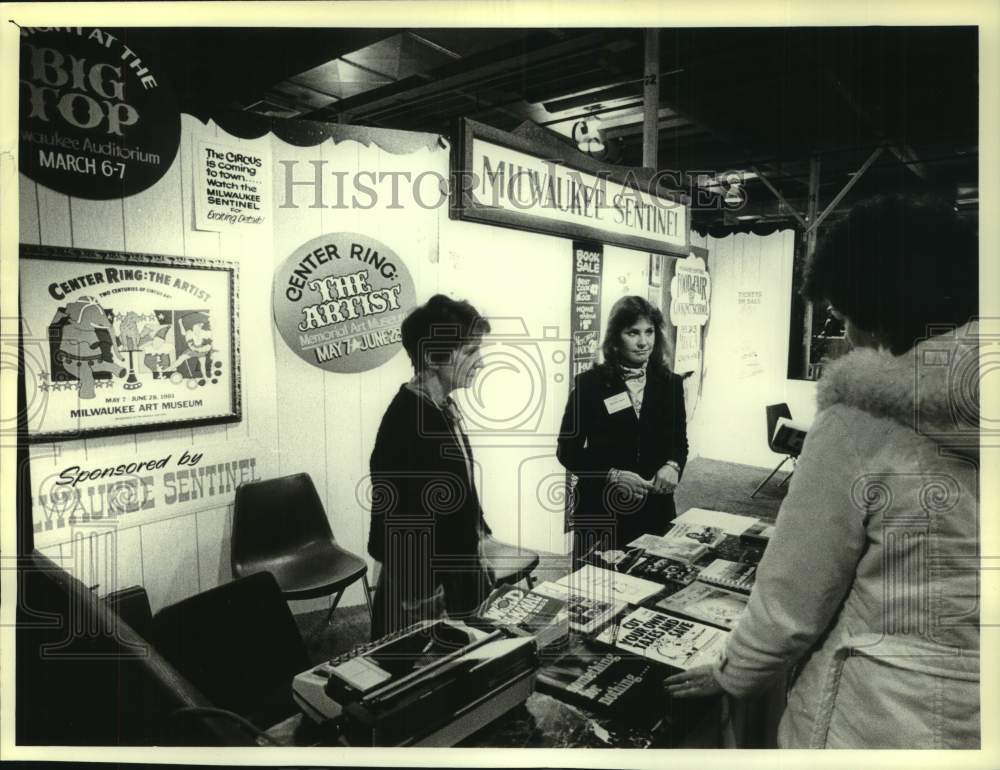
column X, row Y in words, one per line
column 631, row 483
column 699, row 681
column 666, row 479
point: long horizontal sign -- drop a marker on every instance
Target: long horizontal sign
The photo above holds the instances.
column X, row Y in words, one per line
column 499, row 178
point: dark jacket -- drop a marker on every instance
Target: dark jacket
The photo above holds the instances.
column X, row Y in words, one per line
column 592, row 441
column 425, row 514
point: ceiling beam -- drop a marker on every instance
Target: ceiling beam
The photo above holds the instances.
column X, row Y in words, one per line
column 633, row 129
column 650, row 98
column 817, row 221
column 457, row 75
column 781, row 198
column 904, row 152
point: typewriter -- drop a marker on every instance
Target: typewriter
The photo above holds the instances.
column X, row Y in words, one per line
column 431, row 684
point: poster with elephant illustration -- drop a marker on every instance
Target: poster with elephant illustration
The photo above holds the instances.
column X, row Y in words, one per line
column 118, row 342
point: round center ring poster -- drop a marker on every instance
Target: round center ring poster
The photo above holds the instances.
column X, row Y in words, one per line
column 339, row 301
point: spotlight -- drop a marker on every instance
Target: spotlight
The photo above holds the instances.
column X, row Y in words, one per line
column 586, row 134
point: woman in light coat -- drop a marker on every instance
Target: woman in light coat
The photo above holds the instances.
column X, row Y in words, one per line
column 867, row 596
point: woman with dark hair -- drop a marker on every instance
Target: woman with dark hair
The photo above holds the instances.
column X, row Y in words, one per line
column 624, row 433
column 869, row 584
column 426, row 520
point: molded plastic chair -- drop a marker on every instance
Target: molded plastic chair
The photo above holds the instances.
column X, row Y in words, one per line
column 238, row 644
column 508, row 563
column 774, row 412
column 280, row 526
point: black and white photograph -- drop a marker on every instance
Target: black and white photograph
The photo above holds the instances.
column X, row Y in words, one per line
column 499, row 376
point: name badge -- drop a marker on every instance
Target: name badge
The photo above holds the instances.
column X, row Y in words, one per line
column 617, row 403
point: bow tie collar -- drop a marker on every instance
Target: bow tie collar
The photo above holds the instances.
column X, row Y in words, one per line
column 632, row 373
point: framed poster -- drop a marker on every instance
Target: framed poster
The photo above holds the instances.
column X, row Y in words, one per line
column 120, row 342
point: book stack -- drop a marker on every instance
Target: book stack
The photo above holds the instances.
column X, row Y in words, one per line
column 677, row 548
column 527, row 613
column 586, row 613
column 734, row 575
column 734, row 548
column 729, row 523
column 704, row 534
column 663, row 638
column 664, row 571
column 501, row 601
column 611, row 559
column 608, row 682
column 758, row 535
column 608, row 586
column 707, row 604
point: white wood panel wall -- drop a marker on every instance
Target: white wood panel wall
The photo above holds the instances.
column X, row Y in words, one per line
column 295, row 416
column 730, row 423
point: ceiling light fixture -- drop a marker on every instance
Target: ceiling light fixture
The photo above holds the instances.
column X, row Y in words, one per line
column 587, row 135
column 734, row 195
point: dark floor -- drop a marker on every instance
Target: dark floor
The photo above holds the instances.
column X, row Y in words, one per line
column 710, row 484
column 727, row 486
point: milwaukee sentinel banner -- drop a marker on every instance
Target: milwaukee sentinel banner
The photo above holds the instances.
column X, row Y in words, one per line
column 504, row 179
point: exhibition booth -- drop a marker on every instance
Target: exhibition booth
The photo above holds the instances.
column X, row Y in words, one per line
column 216, row 302
column 161, row 516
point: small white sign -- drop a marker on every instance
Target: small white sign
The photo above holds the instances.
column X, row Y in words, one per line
column 690, row 293
column 232, row 187
column 617, row 403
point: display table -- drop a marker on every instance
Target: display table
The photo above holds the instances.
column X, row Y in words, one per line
column 543, row 722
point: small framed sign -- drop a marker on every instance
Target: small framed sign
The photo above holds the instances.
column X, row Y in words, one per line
column 655, row 269
column 121, row 342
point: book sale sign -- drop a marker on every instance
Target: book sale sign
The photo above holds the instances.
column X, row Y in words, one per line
column 98, row 119
column 121, row 342
column 585, row 305
column 339, row 301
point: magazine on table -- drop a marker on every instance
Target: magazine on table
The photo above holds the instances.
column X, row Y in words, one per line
column 662, row 570
column 735, row 575
column 527, row 613
column 611, row 558
column 678, row 549
column 665, row 638
column 705, row 534
column 608, row 682
column 610, row 586
column 707, row 604
column 730, row 523
column 586, row 613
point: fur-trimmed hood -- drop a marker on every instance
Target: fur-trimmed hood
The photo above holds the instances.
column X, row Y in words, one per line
column 933, row 388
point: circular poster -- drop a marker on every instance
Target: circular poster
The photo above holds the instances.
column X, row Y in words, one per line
column 97, row 119
column 339, row 301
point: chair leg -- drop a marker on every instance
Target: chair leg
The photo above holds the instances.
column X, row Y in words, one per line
column 368, row 596
column 530, row 581
column 786, row 479
column 336, row 601
column 769, row 477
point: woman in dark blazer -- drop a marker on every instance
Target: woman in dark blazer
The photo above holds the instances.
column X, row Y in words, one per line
column 426, row 519
column 624, row 433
